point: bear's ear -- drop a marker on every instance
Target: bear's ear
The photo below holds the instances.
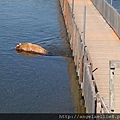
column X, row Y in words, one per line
column 16, row 46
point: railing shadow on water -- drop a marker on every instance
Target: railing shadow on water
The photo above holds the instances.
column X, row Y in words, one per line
column 84, row 67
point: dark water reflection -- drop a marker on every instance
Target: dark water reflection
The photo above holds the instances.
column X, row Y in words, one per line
column 36, row 83
column 74, row 87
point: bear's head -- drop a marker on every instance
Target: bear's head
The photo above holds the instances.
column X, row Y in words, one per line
column 18, row 47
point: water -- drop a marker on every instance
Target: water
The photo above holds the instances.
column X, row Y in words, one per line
column 36, row 84
column 116, row 4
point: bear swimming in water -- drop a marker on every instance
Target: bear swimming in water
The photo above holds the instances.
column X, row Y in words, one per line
column 31, row 48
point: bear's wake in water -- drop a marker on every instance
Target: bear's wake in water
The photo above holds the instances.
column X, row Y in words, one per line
column 31, row 49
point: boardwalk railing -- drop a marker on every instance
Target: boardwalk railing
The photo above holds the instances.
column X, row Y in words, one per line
column 82, row 61
column 89, row 91
column 109, row 13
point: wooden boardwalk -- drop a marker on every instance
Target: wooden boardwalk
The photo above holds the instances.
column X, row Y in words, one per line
column 103, row 45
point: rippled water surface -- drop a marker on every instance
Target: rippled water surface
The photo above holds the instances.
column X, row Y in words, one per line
column 116, row 4
column 34, row 83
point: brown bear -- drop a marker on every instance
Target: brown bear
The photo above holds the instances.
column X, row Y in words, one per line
column 31, row 48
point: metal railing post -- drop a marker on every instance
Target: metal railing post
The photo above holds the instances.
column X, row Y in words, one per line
column 111, row 88
column 63, row 5
column 72, row 7
column 111, row 2
column 83, row 47
column 84, row 26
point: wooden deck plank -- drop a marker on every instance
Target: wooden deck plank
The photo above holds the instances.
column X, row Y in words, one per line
column 103, row 45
